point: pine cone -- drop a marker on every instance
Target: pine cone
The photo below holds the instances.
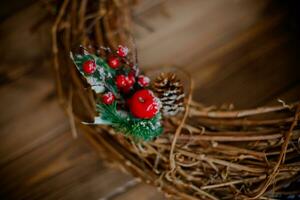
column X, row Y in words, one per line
column 169, row 90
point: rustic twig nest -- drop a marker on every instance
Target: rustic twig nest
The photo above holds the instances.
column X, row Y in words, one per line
column 204, row 153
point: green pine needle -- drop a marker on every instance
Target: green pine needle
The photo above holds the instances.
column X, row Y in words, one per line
column 140, row 129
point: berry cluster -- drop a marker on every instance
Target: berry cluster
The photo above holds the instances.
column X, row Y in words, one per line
column 126, row 103
column 130, row 86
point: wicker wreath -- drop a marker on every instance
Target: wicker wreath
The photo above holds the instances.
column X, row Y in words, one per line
column 204, row 153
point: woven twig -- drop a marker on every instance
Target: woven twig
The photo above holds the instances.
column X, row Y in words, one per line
column 205, row 153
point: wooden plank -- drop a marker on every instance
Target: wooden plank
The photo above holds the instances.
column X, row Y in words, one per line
column 98, row 185
column 24, row 46
column 34, row 136
column 193, row 26
column 26, row 103
column 143, row 192
column 37, row 151
column 255, row 80
column 12, row 6
column 228, row 55
column 63, row 167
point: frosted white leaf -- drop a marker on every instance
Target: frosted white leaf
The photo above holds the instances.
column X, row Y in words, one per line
column 101, row 71
column 92, row 80
column 98, row 88
column 99, row 120
column 71, row 56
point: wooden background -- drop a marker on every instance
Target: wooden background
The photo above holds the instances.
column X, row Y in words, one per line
column 242, row 52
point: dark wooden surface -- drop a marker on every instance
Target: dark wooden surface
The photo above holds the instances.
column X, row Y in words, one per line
column 241, row 52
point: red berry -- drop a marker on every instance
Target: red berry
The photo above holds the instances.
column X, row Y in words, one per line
column 130, row 79
column 89, row 67
column 143, row 81
column 121, row 81
column 143, row 104
column 129, row 82
column 114, row 62
column 108, row 98
column 122, row 51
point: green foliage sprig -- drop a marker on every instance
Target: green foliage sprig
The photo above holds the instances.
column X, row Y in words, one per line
column 116, row 114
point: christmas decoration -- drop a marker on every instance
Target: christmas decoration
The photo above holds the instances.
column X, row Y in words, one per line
column 170, row 92
column 210, row 152
column 143, row 104
column 126, row 106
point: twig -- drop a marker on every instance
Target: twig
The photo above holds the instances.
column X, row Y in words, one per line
column 249, row 180
column 240, row 113
column 55, row 51
column 178, row 130
column 281, row 156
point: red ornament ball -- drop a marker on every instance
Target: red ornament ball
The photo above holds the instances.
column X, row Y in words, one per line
column 114, row 62
column 108, row 98
column 121, row 81
column 143, row 81
column 122, row 51
column 143, row 104
column 89, row 67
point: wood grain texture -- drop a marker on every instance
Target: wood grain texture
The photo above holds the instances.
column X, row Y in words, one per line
column 242, row 52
